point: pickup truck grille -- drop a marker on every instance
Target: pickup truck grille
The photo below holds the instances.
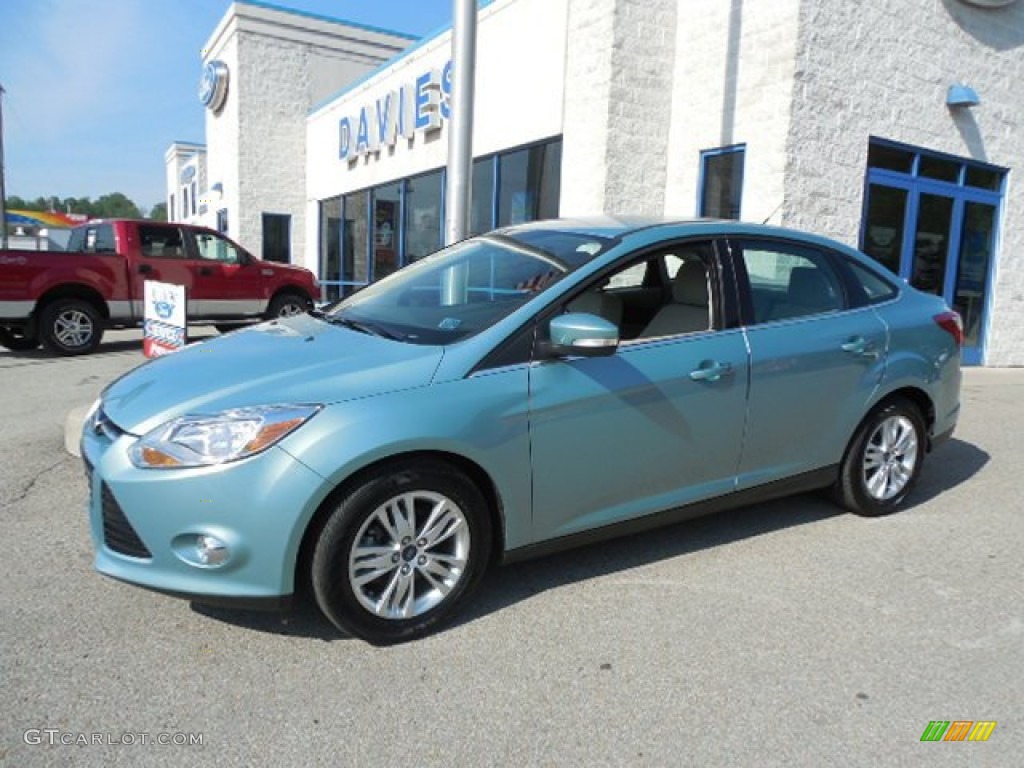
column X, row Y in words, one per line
column 118, row 533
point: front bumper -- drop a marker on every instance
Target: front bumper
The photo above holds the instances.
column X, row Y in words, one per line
column 145, row 522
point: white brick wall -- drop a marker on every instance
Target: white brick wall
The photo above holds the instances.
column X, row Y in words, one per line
column 617, row 106
column 732, row 84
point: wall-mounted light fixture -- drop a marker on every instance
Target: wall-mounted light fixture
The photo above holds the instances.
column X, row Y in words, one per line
column 960, row 95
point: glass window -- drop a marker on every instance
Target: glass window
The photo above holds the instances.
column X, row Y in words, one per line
column 976, row 243
column 386, row 229
column 937, row 168
column 170, row 208
column 214, row 248
column 330, row 245
column 277, row 237
column 194, row 196
column 875, row 287
column 722, row 182
column 422, row 215
column 983, row 178
column 481, row 211
column 789, row 280
column 161, row 242
column 222, row 220
column 529, row 183
column 883, row 226
column 931, row 243
column 466, row 287
column 890, row 158
column 92, row 239
column 355, row 245
column 184, row 202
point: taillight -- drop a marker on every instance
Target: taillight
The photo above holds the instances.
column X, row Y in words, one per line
column 952, row 324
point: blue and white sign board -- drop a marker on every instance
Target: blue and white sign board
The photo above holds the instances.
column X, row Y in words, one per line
column 163, row 329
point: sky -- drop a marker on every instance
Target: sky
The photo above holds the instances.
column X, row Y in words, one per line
column 97, row 90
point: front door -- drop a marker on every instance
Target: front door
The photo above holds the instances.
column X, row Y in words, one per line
column 655, row 426
column 227, row 283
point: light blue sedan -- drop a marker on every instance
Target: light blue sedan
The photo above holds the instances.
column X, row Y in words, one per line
column 532, row 389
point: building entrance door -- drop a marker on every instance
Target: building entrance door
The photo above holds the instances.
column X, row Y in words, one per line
column 934, row 222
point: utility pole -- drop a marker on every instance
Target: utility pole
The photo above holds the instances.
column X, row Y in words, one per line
column 460, row 144
column 3, row 189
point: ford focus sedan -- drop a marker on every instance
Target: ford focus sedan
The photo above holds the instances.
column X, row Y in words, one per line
column 521, row 392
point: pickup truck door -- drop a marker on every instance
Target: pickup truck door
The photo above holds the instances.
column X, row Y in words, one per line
column 161, row 257
column 227, row 282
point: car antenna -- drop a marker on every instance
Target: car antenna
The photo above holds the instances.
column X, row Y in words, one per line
column 773, row 213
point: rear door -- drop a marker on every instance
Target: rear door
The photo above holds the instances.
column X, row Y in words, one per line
column 816, row 357
column 227, row 282
column 161, row 257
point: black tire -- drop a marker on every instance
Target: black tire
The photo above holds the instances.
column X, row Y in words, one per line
column 16, row 341
column 288, row 304
column 881, row 491
column 70, row 327
column 354, row 522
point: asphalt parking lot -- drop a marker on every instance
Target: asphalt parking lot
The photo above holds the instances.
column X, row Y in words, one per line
column 786, row 633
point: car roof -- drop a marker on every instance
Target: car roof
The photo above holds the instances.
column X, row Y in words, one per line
column 621, row 226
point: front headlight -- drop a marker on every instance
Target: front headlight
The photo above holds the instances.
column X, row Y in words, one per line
column 202, row 440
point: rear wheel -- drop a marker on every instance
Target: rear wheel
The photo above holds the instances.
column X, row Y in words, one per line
column 884, row 459
column 287, row 305
column 402, row 552
column 17, row 341
column 70, row 327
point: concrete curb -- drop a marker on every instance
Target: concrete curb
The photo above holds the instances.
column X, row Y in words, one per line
column 73, row 428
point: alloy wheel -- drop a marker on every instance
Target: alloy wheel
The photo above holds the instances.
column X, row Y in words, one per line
column 890, row 457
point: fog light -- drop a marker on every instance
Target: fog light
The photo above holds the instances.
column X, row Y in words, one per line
column 211, row 550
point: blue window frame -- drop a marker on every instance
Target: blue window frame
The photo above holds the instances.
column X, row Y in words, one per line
column 720, row 185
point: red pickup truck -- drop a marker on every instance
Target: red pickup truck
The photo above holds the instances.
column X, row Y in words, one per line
column 65, row 299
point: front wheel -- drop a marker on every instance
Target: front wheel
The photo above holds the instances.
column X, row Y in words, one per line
column 884, row 459
column 70, row 327
column 16, row 341
column 287, row 305
column 401, row 552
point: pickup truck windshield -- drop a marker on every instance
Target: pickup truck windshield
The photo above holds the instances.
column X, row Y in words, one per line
column 467, row 287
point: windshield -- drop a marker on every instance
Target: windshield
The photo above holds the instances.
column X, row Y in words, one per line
column 467, row 287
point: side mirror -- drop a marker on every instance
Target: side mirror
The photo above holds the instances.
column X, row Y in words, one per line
column 580, row 334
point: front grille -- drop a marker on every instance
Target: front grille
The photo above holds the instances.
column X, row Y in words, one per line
column 118, row 533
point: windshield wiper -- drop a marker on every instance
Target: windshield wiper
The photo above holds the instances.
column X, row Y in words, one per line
column 356, row 325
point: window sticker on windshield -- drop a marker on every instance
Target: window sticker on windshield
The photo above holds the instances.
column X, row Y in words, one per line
column 449, row 324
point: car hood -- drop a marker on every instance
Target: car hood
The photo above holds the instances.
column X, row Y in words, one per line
column 295, row 360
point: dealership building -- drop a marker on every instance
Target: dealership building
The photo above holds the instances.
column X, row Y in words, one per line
column 894, row 126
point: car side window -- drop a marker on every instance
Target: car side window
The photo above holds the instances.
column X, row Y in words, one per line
column 876, row 288
column 214, row 248
column 666, row 294
column 789, row 280
column 157, row 242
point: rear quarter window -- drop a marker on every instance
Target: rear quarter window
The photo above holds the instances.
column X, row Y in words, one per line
column 876, row 288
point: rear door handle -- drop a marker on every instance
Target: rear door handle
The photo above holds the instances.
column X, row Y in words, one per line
column 860, row 347
column 711, row 370
column 205, row 271
column 145, row 269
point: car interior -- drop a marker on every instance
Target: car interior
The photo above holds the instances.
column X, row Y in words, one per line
column 665, row 295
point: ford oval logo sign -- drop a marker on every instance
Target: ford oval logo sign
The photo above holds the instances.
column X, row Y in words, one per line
column 213, row 85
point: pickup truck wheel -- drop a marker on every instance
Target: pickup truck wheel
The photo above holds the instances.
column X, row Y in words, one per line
column 17, row 342
column 287, row 305
column 70, row 327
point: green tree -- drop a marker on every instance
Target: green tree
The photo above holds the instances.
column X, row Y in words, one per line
column 158, row 212
column 117, row 206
